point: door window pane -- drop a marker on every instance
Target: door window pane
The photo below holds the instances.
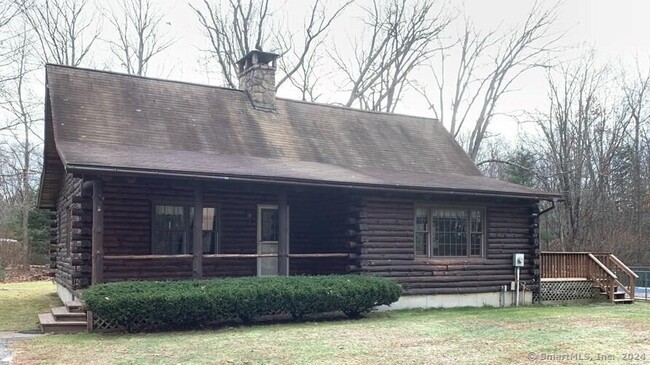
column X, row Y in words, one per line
column 269, row 225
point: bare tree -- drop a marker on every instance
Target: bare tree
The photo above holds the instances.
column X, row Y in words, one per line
column 240, row 26
column 301, row 68
column 20, row 149
column 401, row 36
column 8, row 11
column 140, row 37
column 581, row 136
column 487, row 66
column 306, row 77
column 636, row 88
column 65, row 29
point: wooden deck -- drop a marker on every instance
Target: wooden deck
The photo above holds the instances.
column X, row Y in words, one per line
column 609, row 274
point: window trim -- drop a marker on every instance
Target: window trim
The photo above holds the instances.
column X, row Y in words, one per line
column 186, row 204
column 468, row 208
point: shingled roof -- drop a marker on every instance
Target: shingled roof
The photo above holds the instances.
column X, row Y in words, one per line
column 100, row 121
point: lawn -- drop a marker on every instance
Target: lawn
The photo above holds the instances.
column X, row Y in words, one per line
column 458, row 336
column 20, row 302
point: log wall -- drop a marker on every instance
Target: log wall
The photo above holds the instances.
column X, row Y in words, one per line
column 70, row 245
column 385, row 242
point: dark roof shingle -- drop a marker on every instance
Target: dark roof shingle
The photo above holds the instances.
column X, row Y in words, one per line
column 107, row 120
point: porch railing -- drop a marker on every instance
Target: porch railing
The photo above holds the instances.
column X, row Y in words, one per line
column 225, row 256
column 605, row 270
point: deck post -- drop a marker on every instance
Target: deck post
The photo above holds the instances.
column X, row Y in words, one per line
column 283, row 235
column 197, row 244
column 97, row 274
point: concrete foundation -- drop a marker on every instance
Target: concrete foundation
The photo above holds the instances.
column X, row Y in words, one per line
column 65, row 294
column 492, row 299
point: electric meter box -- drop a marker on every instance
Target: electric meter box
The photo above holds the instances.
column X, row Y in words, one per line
column 517, row 259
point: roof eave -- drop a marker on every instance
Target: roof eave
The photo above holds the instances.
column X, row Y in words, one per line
column 103, row 170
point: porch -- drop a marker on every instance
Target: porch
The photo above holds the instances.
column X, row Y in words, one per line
column 147, row 229
column 585, row 275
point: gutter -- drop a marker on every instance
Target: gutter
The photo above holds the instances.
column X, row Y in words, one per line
column 94, row 170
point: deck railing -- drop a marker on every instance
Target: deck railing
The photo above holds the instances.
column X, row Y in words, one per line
column 603, row 269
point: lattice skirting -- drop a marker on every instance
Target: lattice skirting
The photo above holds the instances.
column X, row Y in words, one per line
column 102, row 325
column 566, row 291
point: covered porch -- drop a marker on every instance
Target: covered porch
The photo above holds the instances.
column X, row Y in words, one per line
column 162, row 229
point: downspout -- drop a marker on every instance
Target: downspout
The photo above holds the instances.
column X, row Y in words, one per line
column 539, row 278
column 553, row 201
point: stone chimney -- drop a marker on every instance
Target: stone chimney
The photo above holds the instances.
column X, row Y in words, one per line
column 256, row 73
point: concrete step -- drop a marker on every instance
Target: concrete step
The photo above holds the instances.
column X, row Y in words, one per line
column 624, row 301
column 74, row 306
column 50, row 325
column 62, row 314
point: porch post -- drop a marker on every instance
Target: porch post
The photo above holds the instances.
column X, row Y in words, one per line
column 197, row 244
column 283, row 235
column 97, row 274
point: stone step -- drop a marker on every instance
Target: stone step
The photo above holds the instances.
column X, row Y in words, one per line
column 50, row 325
column 74, row 306
column 62, row 314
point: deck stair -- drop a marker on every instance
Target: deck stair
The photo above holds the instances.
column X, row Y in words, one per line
column 70, row 318
column 609, row 275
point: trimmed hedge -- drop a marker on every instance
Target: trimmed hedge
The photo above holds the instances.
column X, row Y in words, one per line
column 141, row 305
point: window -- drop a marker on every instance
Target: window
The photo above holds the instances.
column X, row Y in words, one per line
column 173, row 229
column 449, row 232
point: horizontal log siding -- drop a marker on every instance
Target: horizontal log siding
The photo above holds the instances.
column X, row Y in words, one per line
column 317, row 224
column 70, row 244
column 385, row 241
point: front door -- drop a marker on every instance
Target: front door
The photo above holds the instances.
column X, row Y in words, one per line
column 267, row 239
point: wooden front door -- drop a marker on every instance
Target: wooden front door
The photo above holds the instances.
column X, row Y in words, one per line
column 267, row 239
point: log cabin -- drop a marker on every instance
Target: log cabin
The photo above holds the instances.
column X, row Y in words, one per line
column 151, row 179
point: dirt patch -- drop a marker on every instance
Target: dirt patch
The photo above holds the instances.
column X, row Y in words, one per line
column 19, row 274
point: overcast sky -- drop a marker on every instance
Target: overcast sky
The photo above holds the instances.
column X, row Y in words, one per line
column 616, row 29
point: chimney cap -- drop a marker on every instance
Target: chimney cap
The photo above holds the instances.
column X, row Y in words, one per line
column 255, row 57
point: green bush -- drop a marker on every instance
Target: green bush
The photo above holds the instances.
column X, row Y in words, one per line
column 141, row 305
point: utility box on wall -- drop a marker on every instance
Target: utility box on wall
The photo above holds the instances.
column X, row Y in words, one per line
column 517, row 259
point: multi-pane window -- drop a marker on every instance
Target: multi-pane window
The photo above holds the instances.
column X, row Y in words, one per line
column 173, row 229
column 449, row 232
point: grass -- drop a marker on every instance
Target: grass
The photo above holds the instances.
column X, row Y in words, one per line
column 467, row 336
column 21, row 302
